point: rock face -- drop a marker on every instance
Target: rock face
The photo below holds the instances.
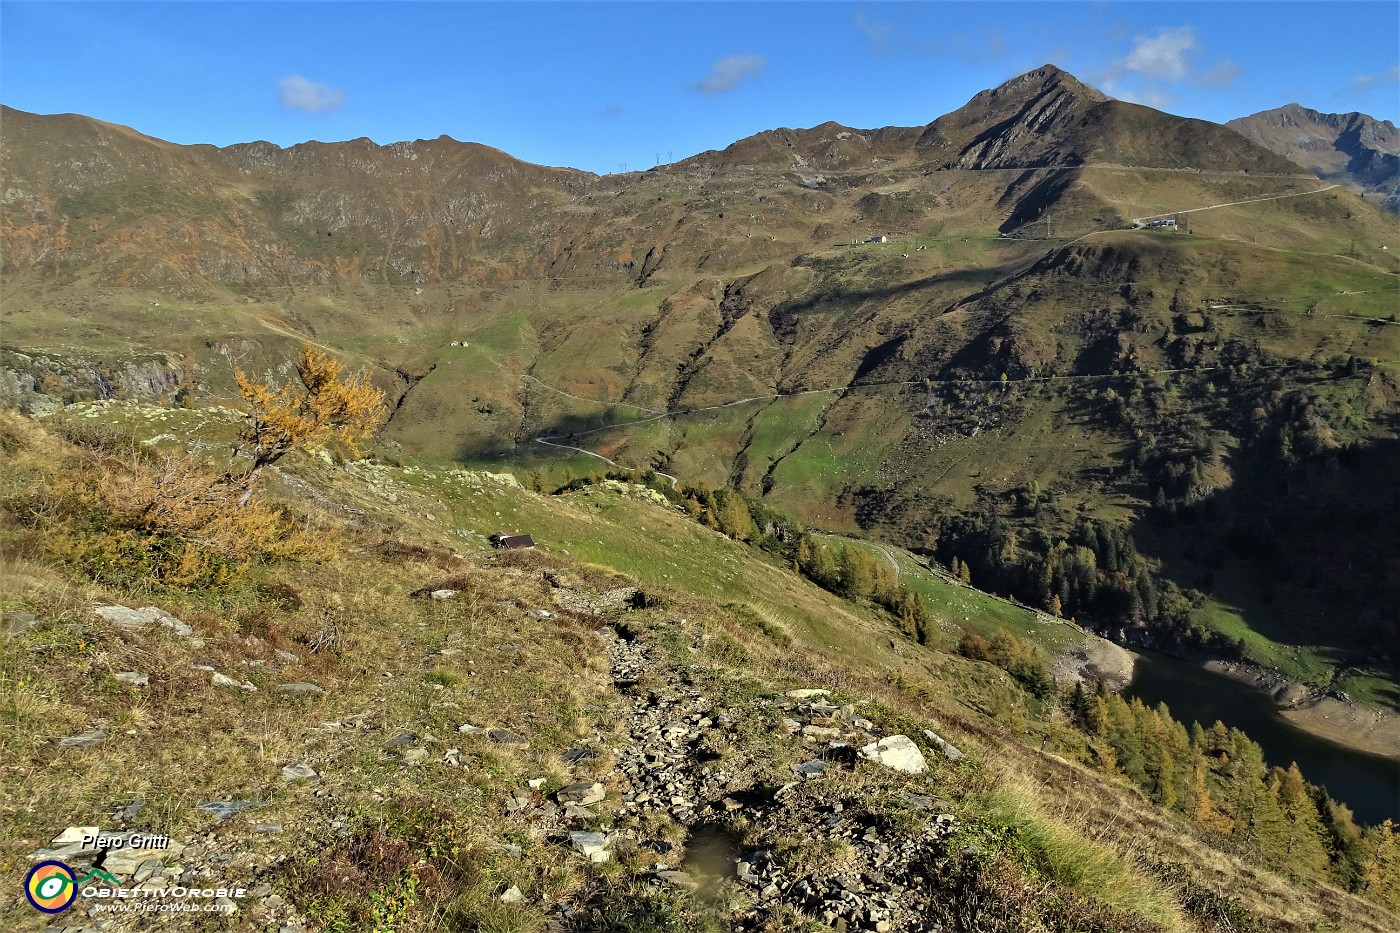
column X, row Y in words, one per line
column 1351, row 148
column 30, row 382
column 898, row 752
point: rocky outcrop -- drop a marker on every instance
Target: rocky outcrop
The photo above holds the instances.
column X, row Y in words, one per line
column 40, row 382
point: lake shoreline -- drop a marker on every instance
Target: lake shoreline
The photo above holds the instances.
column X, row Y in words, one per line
column 1096, row 659
column 1314, row 710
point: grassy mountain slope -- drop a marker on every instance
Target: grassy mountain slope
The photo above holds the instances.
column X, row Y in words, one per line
column 412, row 823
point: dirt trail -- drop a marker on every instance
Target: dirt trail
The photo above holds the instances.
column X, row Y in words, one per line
column 548, row 443
column 1142, row 221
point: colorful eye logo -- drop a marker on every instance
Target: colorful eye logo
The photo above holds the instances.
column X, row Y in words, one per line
column 50, row 887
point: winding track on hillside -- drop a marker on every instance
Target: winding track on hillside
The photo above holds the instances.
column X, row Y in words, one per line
column 541, row 382
column 675, row 483
column 1141, row 221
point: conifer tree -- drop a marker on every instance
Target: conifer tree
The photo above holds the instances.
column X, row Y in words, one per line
column 802, row 560
column 1080, row 707
column 1304, row 845
column 325, row 409
column 1203, row 809
column 823, row 567
column 1381, row 869
column 1346, row 844
column 856, row 571
column 732, row 515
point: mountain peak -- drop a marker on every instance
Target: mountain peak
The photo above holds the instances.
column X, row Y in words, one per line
column 1351, row 148
column 1043, row 79
column 1297, row 115
column 1049, row 118
column 1010, row 124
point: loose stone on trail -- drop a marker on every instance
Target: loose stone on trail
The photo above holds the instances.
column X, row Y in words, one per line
column 299, row 771
column 129, row 618
column 223, row 809
column 898, row 752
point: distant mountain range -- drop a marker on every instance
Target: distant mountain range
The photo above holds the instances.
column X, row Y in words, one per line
column 1011, row 351
column 1351, row 148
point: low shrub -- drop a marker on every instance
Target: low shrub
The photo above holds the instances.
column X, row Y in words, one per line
column 131, row 522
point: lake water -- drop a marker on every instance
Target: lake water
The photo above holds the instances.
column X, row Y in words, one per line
column 1368, row 784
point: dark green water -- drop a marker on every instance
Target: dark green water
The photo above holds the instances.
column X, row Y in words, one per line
column 1369, row 784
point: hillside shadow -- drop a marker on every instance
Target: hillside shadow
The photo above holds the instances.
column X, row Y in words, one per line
column 1305, row 554
column 784, row 318
column 569, row 430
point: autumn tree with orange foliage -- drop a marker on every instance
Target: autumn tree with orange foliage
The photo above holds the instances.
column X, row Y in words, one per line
column 322, row 409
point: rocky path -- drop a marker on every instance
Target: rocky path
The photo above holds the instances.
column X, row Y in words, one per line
column 683, row 760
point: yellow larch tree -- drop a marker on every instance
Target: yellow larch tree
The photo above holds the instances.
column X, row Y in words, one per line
column 322, row 409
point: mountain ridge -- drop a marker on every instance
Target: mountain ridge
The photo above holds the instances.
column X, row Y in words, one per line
column 1352, row 148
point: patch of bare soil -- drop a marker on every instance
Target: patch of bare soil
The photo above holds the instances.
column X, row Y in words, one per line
column 1370, row 730
column 1095, row 660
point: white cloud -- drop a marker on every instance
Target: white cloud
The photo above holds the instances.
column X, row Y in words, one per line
column 971, row 49
column 1366, row 82
column 726, row 73
column 1165, row 55
column 888, row 40
column 300, row 93
column 1170, row 56
column 877, row 34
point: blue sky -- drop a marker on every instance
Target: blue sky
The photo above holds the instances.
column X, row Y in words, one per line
column 600, row 85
